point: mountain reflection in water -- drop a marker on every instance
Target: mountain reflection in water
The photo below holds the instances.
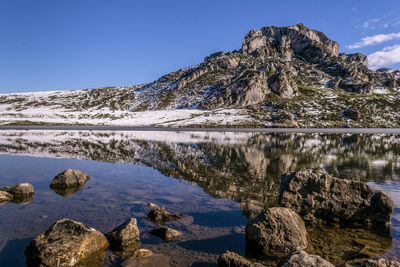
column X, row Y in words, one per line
column 243, row 167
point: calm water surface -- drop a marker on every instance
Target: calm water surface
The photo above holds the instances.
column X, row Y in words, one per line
column 217, row 179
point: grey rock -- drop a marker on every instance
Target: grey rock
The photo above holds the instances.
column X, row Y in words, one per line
column 21, row 194
column 275, row 233
column 380, row 263
column 165, row 233
column 69, row 178
column 320, row 198
column 283, row 85
column 67, row 243
column 125, row 239
column 300, row 258
column 160, row 216
column 231, row 259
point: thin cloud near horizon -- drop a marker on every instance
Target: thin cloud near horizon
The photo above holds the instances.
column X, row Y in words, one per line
column 374, row 40
column 387, row 56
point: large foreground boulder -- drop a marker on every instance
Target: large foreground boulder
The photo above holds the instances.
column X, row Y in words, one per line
column 70, row 179
column 67, row 243
column 231, row 259
column 318, row 197
column 125, row 239
column 275, row 233
column 300, row 258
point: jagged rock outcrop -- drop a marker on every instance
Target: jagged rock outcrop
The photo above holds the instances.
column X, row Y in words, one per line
column 301, row 258
column 318, row 197
column 275, row 233
column 67, row 243
column 272, row 61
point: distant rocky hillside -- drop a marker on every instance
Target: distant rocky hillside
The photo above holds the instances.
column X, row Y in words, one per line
column 282, row 76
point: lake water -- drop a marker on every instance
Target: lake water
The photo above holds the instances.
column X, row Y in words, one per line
column 217, row 179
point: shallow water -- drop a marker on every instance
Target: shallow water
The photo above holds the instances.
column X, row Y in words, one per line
column 217, row 179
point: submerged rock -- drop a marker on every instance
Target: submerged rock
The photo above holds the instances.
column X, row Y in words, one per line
column 125, row 239
column 67, row 243
column 154, row 260
column 231, row 259
column 160, row 216
column 319, row 197
column 380, row 263
column 165, row 233
column 275, row 233
column 70, row 179
column 300, row 258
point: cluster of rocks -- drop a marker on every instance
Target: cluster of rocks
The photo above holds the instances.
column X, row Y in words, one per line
column 71, row 243
column 315, row 197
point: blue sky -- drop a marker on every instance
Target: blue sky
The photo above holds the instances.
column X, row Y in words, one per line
column 77, row 44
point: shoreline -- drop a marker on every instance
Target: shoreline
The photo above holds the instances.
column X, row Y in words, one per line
column 189, row 129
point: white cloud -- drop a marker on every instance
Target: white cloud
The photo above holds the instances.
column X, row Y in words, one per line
column 375, row 39
column 385, row 57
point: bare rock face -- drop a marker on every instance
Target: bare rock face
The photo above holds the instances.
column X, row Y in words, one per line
column 275, row 233
column 380, row 263
column 301, row 258
column 69, row 179
column 125, row 239
column 165, row 233
column 283, row 85
column 318, row 197
column 67, row 243
column 160, row 216
column 231, row 259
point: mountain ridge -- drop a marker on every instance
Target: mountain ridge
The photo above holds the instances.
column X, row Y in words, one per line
column 281, row 77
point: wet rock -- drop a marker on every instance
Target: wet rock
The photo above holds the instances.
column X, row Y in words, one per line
column 165, row 233
column 319, row 197
column 20, row 191
column 125, row 239
column 67, row 243
column 300, row 258
column 380, row 263
column 70, row 179
column 352, row 113
column 5, row 197
column 160, row 216
column 275, row 233
column 231, row 259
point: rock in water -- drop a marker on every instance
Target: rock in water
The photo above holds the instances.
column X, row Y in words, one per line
column 70, row 179
column 318, row 197
column 165, row 233
column 231, row 259
column 5, row 197
column 301, row 258
column 67, row 243
column 160, row 216
column 275, row 233
column 125, row 239
column 20, row 194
